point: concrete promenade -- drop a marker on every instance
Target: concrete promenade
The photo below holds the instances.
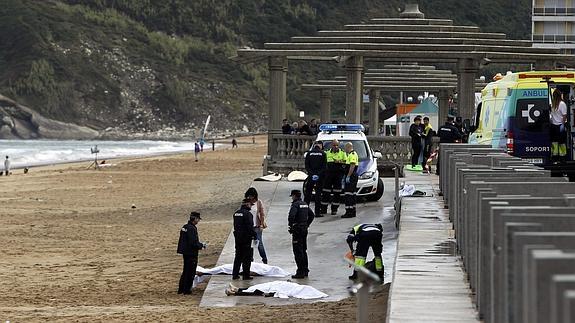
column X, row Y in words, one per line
column 326, row 247
column 429, row 283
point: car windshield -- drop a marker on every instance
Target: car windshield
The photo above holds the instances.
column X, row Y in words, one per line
column 359, row 146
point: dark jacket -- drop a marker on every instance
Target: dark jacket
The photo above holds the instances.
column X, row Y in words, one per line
column 416, row 133
column 306, row 130
column 300, row 215
column 356, row 232
column 315, row 161
column 244, row 222
column 286, row 129
column 189, row 242
column 448, row 133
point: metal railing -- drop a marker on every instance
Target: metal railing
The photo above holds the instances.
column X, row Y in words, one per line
column 557, row 39
column 553, row 11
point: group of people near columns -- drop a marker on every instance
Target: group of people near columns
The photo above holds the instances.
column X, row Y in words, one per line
column 422, row 139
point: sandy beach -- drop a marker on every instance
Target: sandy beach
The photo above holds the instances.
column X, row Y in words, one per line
column 72, row 247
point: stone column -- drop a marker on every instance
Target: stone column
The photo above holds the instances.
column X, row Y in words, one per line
column 354, row 91
column 466, row 70
column 373, row 112
column 443, row 106
column 325, row 105
column 277, row 98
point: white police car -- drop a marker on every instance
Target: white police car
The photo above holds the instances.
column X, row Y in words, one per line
column 369, row 185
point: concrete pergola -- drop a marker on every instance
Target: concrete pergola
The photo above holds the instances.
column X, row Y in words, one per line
column 374, row 88
column 393, row 78
column 410, row 38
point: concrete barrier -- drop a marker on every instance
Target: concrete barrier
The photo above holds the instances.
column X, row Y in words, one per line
column 515, row 231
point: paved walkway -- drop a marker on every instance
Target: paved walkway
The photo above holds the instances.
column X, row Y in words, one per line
column 429, row 283
column 326, row 247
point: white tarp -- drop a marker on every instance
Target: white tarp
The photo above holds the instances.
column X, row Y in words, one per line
column 256, row 267
column 284, row 289
column 407, row 190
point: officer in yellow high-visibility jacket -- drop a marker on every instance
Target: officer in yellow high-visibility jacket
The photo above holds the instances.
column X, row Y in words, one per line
column 366, row 236
column 350, row 180
column 332, row 180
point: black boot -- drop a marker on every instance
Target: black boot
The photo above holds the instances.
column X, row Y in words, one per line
column 353, row 276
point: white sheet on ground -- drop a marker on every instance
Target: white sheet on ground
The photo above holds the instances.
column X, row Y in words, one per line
column 407, row 190
column 284, row 289
column 256, row 267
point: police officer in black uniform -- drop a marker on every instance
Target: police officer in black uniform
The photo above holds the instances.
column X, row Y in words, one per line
column 367, row 236
column 315, row 166
column 299, row 218
column 448, row 134
column 244, row 234
column 188, row 246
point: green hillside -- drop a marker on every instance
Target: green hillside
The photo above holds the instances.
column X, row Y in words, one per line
column 143, row 65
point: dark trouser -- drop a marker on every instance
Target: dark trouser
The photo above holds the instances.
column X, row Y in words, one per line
column 331, row 192
column 244, row 254
column 309, row 187
column 416, row 148
column 365, row 240
column 299, row 244
column 558, row 143
column 188, row 273
column 257, row 292
column 350, row 195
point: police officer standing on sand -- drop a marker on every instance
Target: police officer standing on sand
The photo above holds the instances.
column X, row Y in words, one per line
column 332, row 180
column 244, row 234
column 448, row 134
column 366, row 236
column 315, row 166
column 299, row 218
column 351, row 164
column 188, row 246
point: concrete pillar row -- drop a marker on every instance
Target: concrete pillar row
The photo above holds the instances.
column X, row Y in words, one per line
column 278, row 66
column 374, row 112
column 466, row 70
column 354, row 92
column 325, row 105
column 443, row 106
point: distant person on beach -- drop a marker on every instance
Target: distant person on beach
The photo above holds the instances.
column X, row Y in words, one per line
column 259, row 220
column 213, row 144
column 196, row 150
column 234, row 143
column 7, row 166
column 202, row 144
column 188, row 246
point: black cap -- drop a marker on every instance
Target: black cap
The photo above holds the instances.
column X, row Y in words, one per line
column 295, row 192
column 195, row 215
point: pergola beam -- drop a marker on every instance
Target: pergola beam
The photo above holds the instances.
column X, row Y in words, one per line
column 408, row 40
column 419, row 34
column 382, row 27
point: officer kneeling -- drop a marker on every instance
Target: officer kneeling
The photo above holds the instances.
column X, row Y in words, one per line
column 366, row 236
column 299, row 218
column 188, row 246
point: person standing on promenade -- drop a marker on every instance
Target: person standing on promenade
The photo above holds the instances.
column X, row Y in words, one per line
column 428, row 134
column 331, row 191
column 244, row 234
column 259, row 220
column 448, row 134
column 299, row 218
column 350, row 180
column 315, row 166
column 188, row 246
column 416, row 133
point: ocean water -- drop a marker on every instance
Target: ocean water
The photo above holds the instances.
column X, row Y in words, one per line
column 28, row 153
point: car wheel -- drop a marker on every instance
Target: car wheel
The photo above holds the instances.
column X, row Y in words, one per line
column 378, row 194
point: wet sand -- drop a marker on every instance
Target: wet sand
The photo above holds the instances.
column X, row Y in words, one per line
column 73, row 248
